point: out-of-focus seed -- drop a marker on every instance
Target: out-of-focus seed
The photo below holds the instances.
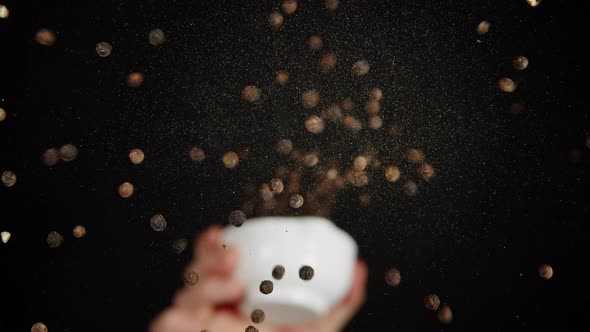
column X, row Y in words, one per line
column 236, row 218
column 158, row 223
column 5, row 236
column 275, row 20
column 190, row 278
column 546, row 271
column 230, row 159
column 50, row 157
column 79, row 231
column 314, row 124
column 520, row 63
column 533, row 3
column 156, row 37
column 54, row 239
column 282, row 77
column 332, row 4
column 4, row 12
column 289, row 7
column 68, row 152
column 8, row 178
column 45, row 37
column 39, row 327
column 126, row 189
column 315, row 42
column 296, row 201
column 104, row 49
column 431, row 301
column 196, row 154
column 426, row 172
column 276, row 186
column 483, row 27
column 507, row 85
column 393, row 277
column 445, row 315
column 136, row 156
column 310, row 99
column 360, row 68
column 376, row 94
column 135, row 79
column 251, row 93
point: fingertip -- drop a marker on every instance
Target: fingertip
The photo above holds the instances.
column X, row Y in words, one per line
column 363, row 270
column 357, row 290
column 208, row 239
column 363, row 279
column 213, row 233
column 352, row 302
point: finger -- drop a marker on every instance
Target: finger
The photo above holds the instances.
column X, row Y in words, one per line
column 209, row 241
column 339, row 316
column 220, row 264
column 226, row 321
column 356, row 295
column 211, row 292
column 208, row 251
column 177, row 320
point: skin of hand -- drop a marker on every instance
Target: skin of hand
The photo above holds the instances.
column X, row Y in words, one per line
column 211, row 304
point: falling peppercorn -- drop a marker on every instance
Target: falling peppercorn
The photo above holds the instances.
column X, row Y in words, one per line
column 306, row 272
column 236, row 218
column 278, row 272
column 257, row 316
column 266, row 287
column 393, row 277
column 431, row 301
column 191, row 278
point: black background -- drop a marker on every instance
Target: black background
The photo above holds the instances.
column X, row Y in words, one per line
column 507, row 195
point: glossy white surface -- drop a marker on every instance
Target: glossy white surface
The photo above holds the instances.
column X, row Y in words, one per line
column 293, row 242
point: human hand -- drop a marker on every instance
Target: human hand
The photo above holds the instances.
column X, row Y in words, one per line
column 212, row 303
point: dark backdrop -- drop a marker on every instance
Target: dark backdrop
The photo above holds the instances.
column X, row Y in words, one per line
column 507, row 196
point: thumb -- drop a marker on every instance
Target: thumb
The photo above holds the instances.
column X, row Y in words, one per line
column 339, row 316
